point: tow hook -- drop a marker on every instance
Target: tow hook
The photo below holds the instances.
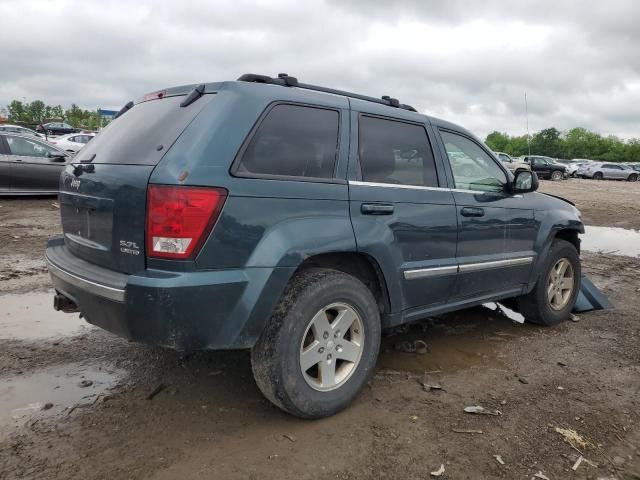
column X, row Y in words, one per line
column 63, row 303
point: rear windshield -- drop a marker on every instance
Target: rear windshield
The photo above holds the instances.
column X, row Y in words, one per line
column 135, row 137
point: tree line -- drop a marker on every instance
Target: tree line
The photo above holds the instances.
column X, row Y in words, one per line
column 36, row 112
column 574, row 143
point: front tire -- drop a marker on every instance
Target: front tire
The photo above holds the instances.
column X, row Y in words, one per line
column 320, row 346
column 557, row 287
column 556, row 176
column 597, row 176
column 633, row 177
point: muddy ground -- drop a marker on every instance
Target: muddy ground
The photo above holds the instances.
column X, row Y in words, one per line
column 76, row 402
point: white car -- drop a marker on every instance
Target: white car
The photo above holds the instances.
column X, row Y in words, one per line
column 574, row 165
column 513, row 164
column 72, row 142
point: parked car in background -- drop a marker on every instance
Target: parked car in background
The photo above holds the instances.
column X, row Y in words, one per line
column 29, row 166
column 299, row 222
column 574, row 164
column 607, row 171
column 513, row 164
column 546, row 167
column 73, row 142
column 56, row 128
column 7, row 128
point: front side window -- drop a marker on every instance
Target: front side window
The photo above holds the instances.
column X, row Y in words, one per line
column 28, row 148
column 395, row 152
column 473, row 168
column 537, row 162
column 293, row 141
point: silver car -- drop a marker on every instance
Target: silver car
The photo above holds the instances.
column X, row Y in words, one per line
column 6, row 128
column 610, row 171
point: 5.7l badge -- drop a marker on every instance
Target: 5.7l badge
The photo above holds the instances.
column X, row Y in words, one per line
column 130, row 248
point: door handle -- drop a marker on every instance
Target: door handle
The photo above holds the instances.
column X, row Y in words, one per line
column 376, row 209
column 472, row 212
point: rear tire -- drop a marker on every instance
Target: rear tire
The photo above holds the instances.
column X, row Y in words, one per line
column 303, row 331
column 549, row 303
column 556, row 176
column 633, row 177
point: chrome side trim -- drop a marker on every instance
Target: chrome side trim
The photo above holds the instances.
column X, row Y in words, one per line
column 429, row 272
column 98, row 289
column 467, row 267
column 511, row 262
column 418, row 187
column 394, row 185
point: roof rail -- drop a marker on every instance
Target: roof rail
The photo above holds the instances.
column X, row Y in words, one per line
column 287, row 81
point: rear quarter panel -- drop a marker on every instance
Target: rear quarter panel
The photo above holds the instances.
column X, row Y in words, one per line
column 264, row 222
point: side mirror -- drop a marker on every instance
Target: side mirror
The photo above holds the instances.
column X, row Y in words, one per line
column 57, row 157
column 524, row 182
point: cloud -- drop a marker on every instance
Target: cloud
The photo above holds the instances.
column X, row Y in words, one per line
column 468, row 62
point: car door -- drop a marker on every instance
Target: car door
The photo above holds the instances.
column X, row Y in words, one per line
column 614, row 172
column 402, row 213
column 72, row 144
column 496, row 230
column 36, row 166
column 542, row 167
column 5, row 167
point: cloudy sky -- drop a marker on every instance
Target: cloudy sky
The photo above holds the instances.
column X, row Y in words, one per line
column 466, row 61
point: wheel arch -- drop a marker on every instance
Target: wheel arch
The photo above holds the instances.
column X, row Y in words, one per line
column 570, row 235
column 565, row 229
column 360, row 265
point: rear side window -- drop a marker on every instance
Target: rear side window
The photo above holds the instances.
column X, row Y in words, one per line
column 395, row 152
column 293, row 141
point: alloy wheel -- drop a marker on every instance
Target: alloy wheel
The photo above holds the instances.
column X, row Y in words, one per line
column 331, row 347
column 560, row 284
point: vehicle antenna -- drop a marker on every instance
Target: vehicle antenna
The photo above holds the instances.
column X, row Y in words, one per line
column 526, row 110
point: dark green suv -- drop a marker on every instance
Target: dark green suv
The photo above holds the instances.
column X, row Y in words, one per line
column 299, row 221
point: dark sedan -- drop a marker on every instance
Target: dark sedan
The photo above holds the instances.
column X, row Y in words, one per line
column 29, row 166
column 56, row 128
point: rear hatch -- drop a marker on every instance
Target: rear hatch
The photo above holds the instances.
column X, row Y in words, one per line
column 103, row 192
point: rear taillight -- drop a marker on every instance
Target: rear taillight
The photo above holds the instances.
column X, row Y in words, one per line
column 179, row 219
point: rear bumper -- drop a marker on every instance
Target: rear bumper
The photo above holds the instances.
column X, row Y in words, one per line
column 186, row 311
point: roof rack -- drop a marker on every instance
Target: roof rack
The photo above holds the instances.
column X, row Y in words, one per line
column 288, row 81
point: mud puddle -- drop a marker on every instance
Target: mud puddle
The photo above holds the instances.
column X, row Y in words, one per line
column 59, row 390
column 54, row 391
column 30, row 316
column 458, row 341
column 611, row 240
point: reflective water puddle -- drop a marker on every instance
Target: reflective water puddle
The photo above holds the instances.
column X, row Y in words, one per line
column 30, row 316
column 611, row 240
column 461, row 340
column 59, row 390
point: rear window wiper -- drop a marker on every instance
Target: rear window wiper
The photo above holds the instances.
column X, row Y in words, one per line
column 195, row 94
column 124, row 109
